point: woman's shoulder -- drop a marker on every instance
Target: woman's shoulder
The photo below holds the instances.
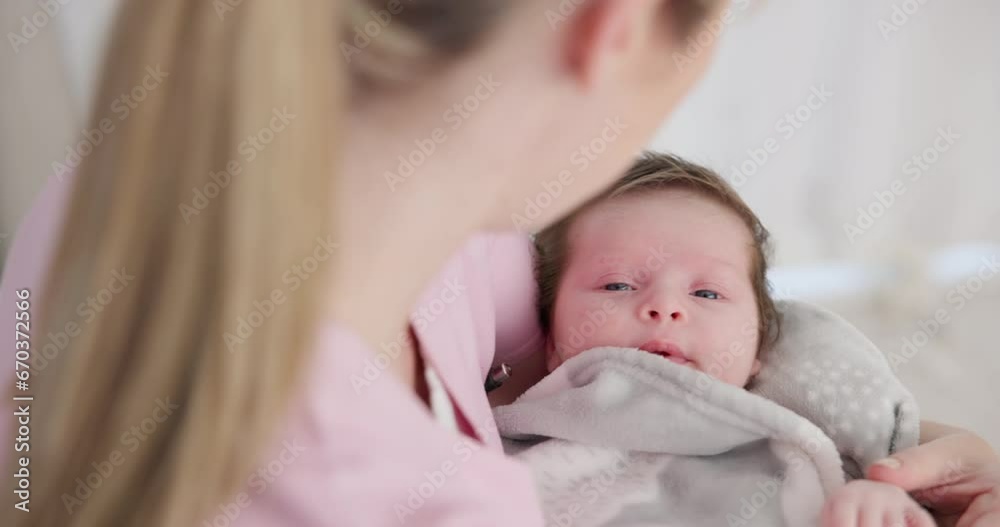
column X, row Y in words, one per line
column 515, row 295
column 35, row 239
column 359, row 449
column 23, row 279
column 29, row 255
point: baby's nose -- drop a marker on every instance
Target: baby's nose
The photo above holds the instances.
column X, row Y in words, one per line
column 661, row 314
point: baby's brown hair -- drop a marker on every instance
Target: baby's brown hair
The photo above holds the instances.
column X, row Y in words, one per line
column 657, row 171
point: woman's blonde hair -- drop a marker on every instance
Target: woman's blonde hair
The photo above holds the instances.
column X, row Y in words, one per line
column 205, row 203
column 656, row 172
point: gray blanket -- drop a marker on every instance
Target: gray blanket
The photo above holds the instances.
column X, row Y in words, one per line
column 621, row 437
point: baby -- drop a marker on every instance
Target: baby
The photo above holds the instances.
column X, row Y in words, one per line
column 676, row 262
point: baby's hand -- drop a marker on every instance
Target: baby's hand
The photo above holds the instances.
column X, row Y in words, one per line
column 864, row 503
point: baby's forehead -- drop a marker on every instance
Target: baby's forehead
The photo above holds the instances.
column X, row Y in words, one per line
column 667, row 257
column 663, row 214
column 670, row 205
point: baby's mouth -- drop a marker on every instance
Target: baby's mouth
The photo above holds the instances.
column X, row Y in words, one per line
column 666, row 350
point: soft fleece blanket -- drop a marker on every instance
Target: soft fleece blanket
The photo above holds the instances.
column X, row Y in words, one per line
column 621, row 437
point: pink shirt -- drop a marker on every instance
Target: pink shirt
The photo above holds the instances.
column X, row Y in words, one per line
column 358, row 448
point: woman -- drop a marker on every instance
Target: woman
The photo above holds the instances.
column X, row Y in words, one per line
column 281, row 202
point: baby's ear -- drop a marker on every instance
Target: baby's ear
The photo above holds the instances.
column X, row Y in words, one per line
column 755, row 369
column 552, row 358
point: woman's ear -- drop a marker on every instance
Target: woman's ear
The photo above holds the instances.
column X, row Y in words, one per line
column 602, row 34
column 755, row 369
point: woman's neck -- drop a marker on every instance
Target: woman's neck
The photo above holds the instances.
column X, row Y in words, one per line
column 400, row 213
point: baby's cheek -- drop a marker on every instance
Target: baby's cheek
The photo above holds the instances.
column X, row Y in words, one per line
column 733, row 356
column 581, row 329
column 611, row 329
column 569, row 335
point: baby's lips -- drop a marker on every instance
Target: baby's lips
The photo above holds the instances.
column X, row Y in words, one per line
column 678, row 359
column 667, row 350
column 663, row 347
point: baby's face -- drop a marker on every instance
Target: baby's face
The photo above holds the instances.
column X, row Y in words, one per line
column 668, row 272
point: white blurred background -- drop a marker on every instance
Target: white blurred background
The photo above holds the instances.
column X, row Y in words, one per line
column 813, row 110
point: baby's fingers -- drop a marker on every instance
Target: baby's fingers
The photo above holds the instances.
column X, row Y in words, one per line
column 983, row 512
column 874, row 515
column 916, row 516
column 842, row 512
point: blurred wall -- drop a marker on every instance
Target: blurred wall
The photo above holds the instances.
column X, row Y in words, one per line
column 894, row 85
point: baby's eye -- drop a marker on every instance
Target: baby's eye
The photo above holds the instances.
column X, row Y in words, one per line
column 707, row 293
column 618, row 286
